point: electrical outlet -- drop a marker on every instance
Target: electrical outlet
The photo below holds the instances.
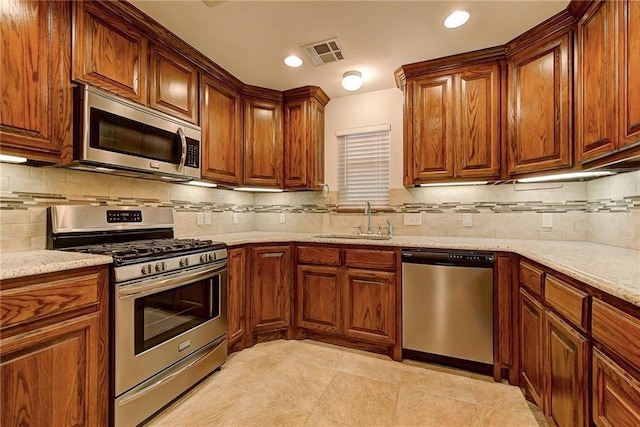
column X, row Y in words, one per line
column 207, row 218
column 234, row 217
column 413, row 219
column 547, row 220
column 283, row 218
column 200, row 218
column 467, row 220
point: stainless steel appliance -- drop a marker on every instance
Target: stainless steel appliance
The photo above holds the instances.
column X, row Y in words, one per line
column 168, row 302
column 114, row 133
column 447, row 307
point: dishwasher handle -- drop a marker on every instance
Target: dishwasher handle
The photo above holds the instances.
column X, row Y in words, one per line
column 461, row 259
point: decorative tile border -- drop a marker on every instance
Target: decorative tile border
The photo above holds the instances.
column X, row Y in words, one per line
column 26, row 200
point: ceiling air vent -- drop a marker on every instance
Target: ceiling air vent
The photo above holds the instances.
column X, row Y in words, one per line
column 324, row 52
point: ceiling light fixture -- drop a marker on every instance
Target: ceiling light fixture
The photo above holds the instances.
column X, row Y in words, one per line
column 451, row 184
column 352, row 80
column 456, row 19
column 566, row 176
column 292, row 61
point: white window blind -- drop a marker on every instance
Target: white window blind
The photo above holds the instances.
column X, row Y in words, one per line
column 363, row 166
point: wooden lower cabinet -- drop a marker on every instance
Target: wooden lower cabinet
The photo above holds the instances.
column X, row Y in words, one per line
column 54, row 349
column 236, row 294
column 616, row 394
column 368, row 305
column 270, row 280
column 319, row 299
column 531, row 341
column 566, row 369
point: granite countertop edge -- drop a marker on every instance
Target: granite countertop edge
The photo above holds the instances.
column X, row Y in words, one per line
column 30, row 263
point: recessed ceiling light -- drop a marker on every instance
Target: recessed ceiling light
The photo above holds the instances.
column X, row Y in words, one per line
column 293, row 61
column 352, row 80
column 456, row 19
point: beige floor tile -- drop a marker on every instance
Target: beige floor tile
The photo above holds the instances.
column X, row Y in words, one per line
column 372, row 367
column 245, row 374
column 258, row 411
column 202, row 406
column 433, row 367
column 500, row 417
column 498, row 394
column 296, row 384
column 440, row 383
column 320, row 355
column 355, row 400
column 416, row 408
column 319, row 420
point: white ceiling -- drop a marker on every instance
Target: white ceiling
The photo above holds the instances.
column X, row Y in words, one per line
column 250, row 38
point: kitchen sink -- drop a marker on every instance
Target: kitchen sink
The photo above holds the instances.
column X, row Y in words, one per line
column 354, row 236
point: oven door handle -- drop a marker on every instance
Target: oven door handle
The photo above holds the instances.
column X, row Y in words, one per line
column 154, row 286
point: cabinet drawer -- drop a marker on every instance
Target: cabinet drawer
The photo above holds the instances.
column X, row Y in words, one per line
column 617, row 330
column 318, row 255
column 531, row 277
column 566, row 300
column 366, row 258
column 42, row 297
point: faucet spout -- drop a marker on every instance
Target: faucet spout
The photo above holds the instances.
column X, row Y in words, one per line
column 367, row 212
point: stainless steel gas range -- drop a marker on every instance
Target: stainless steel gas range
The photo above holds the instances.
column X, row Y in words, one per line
column 168, row 299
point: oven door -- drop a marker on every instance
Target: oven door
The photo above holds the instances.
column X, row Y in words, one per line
column 160, row 320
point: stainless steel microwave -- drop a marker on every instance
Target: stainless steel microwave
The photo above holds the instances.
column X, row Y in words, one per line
column 113, row 134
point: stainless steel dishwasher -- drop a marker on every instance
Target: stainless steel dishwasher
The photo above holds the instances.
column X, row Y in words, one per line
column 447, row 307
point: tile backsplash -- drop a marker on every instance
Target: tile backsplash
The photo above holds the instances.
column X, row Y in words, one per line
column 606, row 210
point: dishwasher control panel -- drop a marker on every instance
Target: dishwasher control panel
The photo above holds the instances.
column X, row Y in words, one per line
column 420, row 256
column 471, row 257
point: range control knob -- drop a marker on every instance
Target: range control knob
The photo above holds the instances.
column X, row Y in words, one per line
column 146, row 269
column 184, row 262
column 160, row 266
column 204, row 258
column 212, row 256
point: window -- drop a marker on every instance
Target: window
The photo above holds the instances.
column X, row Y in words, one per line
column 363, row 166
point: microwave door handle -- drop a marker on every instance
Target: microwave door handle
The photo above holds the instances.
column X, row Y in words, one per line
column 183, row 156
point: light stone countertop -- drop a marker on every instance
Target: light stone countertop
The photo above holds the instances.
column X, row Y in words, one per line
column 30, row 263
column 608, row 268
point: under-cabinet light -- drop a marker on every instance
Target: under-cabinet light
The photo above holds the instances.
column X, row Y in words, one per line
column 202, row 184
column 259, row 190
column 566, row 176
column 451, row 184
column 12, row 159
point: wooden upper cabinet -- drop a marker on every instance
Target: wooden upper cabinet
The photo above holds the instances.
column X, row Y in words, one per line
column 596, row 109
column 108, row 52
column 431, row 129
column 539, row 107
column 221, row 120
column 36, row 93
column 453, row 117
column 173, row 85
column 477, row 130
column 263, row 147
column 629, row 70
column 304, row 138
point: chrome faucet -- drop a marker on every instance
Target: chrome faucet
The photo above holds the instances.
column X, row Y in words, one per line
column 367, row 212
column 389, row 228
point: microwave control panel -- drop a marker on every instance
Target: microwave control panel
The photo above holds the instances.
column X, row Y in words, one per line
column 193, row 154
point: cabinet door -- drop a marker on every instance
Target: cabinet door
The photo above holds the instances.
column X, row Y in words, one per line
column 108, row 53
column 567, row 372
column 477, row 130
column 263, row 143
column 237, row 265
column 35, row 109
column 316, row 163
column 430, row 131
column 539, row 128
column 531, row 341
column 629, row 66
column 297, row 140
column 270, row 284
column 596, row 110
column 616, row 394
column 369, row 305
column 319, row 298
column 221, row 119
column 173, row 85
